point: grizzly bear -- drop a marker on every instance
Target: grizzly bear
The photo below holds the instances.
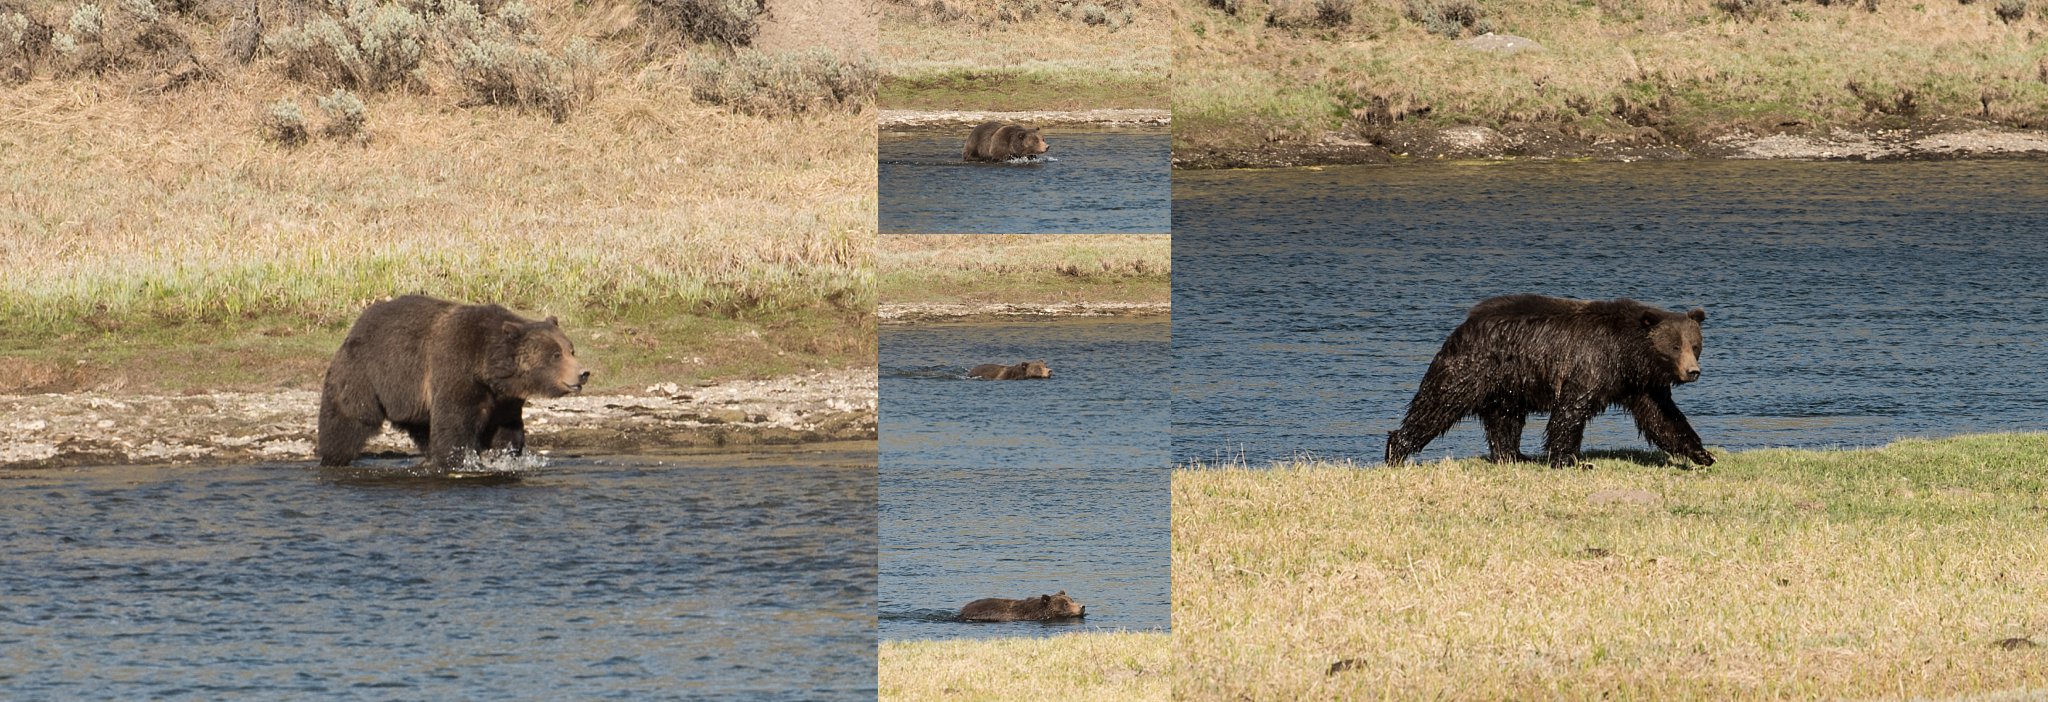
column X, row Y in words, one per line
column 1032, row 609
column 1028, row 370
column 1519, row 354
column 455, row 377
column 999, row 141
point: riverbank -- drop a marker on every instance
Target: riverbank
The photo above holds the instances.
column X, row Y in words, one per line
column 1030, row 55
column 1080, row 667
column 914, row 119
column 1282, row 83
column 1911, row 570
column 1949, row 139
column 926, row 277
column 106, row 428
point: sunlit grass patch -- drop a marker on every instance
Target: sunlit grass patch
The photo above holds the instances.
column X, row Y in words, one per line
column 1077, row 667
column 1779, row 574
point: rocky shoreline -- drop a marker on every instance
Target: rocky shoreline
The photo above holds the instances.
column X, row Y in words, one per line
column 910, row 119
column 1948, row 139
column 953, row 312
column 93, row 428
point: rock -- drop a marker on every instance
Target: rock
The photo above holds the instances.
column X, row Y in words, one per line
column 1630, row 497
column 1503, row 44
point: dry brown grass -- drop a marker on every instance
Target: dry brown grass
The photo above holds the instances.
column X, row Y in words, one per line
column 1112, row 667
column 1890, row 573
column 129, row 215
column 1608, row 65
column 1025, row 268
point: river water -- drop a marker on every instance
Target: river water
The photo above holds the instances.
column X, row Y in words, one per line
column 1023, row 487
column 1096, row 181
column 1848, row 304
column 744, row 576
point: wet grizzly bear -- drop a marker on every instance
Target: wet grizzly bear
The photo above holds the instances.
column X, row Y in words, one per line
column 1519, row 354
column 1028, row 370
column 998, row 141
column 1033, row 609
column 454, row 377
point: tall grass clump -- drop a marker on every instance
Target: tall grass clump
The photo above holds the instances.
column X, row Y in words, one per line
column 94, row 39
column 759, row 83
column 2010, row 11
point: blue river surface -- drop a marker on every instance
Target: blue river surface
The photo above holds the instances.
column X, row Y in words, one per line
column 729, row 576
column 1849, row 304
column 1019, row 488
column 1092, row 181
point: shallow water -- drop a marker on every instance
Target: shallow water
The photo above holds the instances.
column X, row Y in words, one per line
column 1848, row 304
column 1095, row 181
column 730, row 576
column 1023, row 487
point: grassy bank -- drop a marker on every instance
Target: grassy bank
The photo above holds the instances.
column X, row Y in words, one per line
column 1898, row 572
column 1024, row 268
column 998, row 55
column 165, row 236
column 1079, row 667
column 1255, row 72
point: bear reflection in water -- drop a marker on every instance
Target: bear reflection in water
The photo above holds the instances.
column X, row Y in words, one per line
column 1519, row 354
column 454, row 377
column 1031, row 609
column 1028, row 370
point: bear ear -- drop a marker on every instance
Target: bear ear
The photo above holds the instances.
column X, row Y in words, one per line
column 1697, row 314
column 550, row 321
column 513, row 329
column 1649, row 318
column 1063, row 593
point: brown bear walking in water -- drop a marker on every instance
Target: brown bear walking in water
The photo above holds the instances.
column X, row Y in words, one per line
column 1034, row 609
column 1519, row 354
column 454, row 377
column 999, row 141
column 1028, row 370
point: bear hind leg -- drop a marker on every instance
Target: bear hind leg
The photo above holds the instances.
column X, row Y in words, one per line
column 1567, row 431
column 341, row 438
column 1428, row 418
column 1504, row 435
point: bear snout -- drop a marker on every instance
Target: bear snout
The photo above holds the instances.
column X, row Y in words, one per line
column 1692, row 375
column 581, row 378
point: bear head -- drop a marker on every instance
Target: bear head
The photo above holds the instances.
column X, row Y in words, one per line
column 542, row 360
column 1057, row 606
column 1032, row 369
column 1027, row 142
column 1676, row 337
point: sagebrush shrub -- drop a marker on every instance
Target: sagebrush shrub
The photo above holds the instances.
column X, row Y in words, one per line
column 730, row 22
column 2011, row 11
column 367, row 46
column 1449, row 18
column 284, row 125
column 783, row 84
column 347, row 117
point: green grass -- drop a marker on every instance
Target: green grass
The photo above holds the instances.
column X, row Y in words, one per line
column 1779, row 574
column 1025, row 268
column 1111, row 667
column 1013, row 90
column 1608, row 66
column 979, row 62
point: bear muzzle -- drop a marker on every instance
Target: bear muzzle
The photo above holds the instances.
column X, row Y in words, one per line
column 584, row 377
column 1690, row 376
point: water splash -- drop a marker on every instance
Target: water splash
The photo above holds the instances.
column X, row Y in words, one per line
column 1032, row 159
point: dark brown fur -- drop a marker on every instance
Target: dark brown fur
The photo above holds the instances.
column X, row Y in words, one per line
column 1031, row 609
column 1028, row 370
column 998, row 141
column 454, row 377
column 1519, row 354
